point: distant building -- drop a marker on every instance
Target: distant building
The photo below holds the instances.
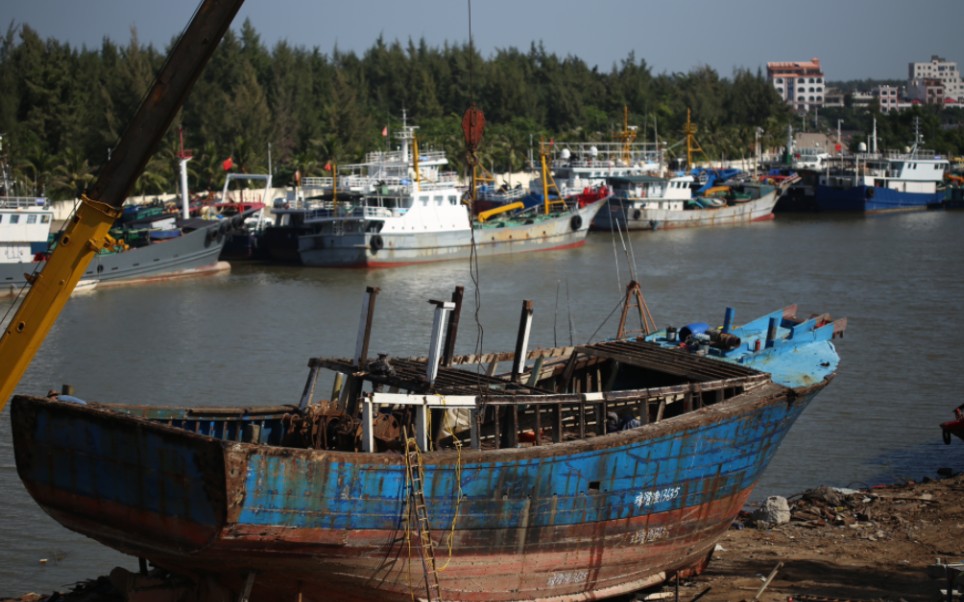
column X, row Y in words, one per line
column 833, row 97
column 935, row 82
column 887, row 97
column 861, row 100
column 800, row 84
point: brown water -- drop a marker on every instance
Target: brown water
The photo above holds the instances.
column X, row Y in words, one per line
column 245, row 338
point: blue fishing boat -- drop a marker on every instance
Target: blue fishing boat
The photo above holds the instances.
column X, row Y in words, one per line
column 872, row 182
column 772, row 343
column 569, row 473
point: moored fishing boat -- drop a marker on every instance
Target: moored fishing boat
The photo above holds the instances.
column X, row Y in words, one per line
column 414, row 214
column 573, row 473
column 24, row 237
column 247, row 216
column 653, row 203
column 189, row 248
column 25, row 223
column 872, row 182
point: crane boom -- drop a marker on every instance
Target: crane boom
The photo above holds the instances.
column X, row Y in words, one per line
column 87, row 229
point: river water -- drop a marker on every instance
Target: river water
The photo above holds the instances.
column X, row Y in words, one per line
column 244, row 337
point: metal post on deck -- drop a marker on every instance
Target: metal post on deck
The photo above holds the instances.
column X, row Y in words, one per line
column 771, row 332
column 728, row 319
column 368, row 432
column 453, row 328
column 441, row 309
column 365, row 327
column 522, row 341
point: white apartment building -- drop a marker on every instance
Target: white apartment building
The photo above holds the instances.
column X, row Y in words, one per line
column 800, row 84
column 887, row 97
column 935, row 81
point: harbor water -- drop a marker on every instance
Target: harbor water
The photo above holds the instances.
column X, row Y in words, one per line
column 245, row 337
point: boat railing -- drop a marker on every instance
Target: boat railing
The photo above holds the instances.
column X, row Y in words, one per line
column 315, row 182
column 898, row 155
column 446, row 179
column 22, row 202
column 502, row 195
column 372, row 211
column 498, row 421
column 383, row 157
column 596, row 154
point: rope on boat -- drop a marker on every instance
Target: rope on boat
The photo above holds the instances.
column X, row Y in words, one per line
column 458, row 500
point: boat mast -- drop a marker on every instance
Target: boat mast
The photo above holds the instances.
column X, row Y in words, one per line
column 546, row 178
column 692, row 145
column 873, row 138
column 628, row 136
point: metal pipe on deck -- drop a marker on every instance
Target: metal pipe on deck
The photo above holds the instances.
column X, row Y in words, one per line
column 365, row 326
column 453, row 328
column 522, row 341
column 728, row 319
column 441, row 309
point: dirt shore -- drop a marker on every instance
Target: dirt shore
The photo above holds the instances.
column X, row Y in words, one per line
column 840, row 545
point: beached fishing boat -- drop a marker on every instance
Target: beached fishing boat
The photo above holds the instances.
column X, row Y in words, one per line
column 572, row 473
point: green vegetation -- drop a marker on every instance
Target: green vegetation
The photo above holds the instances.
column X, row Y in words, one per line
column 62, row 109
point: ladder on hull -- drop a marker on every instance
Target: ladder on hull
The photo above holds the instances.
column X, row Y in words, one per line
column 413, row 465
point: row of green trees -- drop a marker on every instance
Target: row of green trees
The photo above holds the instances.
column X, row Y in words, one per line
column 62, row 109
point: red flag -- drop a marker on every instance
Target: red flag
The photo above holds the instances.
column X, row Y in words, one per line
column 328, row 166
column 385, row 131
column 227, row 164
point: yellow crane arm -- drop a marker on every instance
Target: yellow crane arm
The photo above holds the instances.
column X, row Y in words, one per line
column 87, row 229
column 484, row 215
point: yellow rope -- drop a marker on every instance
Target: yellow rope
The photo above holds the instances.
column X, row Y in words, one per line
column 458, row 500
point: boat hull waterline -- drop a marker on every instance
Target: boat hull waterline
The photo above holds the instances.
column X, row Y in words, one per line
column 873, row 199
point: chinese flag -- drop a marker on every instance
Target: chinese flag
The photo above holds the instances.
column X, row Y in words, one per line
column 328, row 166
column 227, row 164
column 385, row 131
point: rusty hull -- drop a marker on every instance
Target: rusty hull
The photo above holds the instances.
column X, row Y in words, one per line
column 575, row 520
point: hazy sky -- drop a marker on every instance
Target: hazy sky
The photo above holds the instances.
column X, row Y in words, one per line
column 854, row 39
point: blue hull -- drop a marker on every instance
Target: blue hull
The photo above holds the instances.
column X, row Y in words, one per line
column 543, row 502
column 608, row 515
column 870, row 199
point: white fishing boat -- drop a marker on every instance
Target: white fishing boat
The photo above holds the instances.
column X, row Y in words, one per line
column 407, row 211
column 653, row 203
column 24, row 231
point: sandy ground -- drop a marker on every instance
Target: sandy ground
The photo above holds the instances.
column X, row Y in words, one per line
column 839, row 545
